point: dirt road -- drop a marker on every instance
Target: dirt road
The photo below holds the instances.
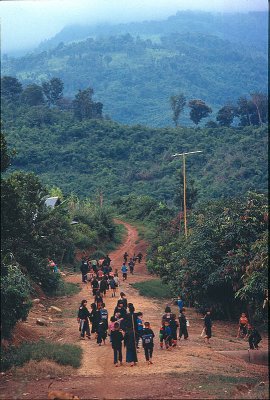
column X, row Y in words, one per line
column 192, row 370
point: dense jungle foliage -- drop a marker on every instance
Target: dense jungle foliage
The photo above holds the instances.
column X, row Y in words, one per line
column 31, row 233
column 134, row 76
column 222, row 264
column 82, row 152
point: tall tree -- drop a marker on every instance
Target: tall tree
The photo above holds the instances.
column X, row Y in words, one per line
column 226, row 114
column 244, row 110
column 178, row 103
column 84, row 106
column 11, row 88
column 53, row 90
column 33, row 95
column 260, row 101
column 198, row 110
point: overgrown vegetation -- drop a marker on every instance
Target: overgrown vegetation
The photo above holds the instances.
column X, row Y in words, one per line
column 64, row 354
column 153, row 288
column 32, row 233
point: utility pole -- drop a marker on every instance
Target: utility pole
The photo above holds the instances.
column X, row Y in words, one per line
column 184, row 183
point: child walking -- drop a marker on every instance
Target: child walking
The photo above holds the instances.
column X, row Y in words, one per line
column 167, row 335
column 183, row 325
column 116, row 339
column 148, row 342
column 174, row 324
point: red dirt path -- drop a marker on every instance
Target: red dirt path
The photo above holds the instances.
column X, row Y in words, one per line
column 192, row 370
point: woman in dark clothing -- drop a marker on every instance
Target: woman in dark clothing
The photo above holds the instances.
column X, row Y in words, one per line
column 207, row 327
column 98, row 299
column 174, row 324
column 121, row 310
column 83, row 320
column 103, row 285
column 183, row 325
column 123, row 300
column 130, row 344
column 94, row 318
column 95, row 286
column 254, row 338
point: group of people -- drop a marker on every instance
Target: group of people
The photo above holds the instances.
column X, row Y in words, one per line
column 125, row 327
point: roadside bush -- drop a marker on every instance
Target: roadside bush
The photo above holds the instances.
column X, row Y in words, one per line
column 64, row 354
column 15, row 303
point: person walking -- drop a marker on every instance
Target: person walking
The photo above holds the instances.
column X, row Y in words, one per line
column 207, row 327
column 183, row 325
column 148, row 342
column 94, row 318
column 116, row 340
column 84, row 270
column 124, row 271
column 95, row 286
column 131, row 266
column 83, row 320
column 112, row 285
column 123, row 300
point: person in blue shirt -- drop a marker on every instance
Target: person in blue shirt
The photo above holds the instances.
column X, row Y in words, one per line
column 180, row 304
column 140, row 328
column 124, row 271
column 167, row 335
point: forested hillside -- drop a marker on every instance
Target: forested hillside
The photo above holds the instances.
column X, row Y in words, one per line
column 135, row 76
column 80, row 151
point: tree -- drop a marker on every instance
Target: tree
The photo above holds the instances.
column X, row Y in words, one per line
column 260, row 101
column 5, row 154
column 11, row 88
column 226, row 114
column 198, row 110
column 53, row 90
column 178, row 103
column 83, row 104
column 33, row 95
column 244, row 110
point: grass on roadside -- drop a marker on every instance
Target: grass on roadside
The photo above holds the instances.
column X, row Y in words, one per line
column 223, row 386
column 63, row 354
column 153, row 288
column 67, row 289
column 41, row 369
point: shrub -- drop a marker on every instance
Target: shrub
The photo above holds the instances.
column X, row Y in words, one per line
column 64, row 354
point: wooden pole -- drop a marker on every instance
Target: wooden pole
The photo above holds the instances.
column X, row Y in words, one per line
column 132, row 317
column 185, row 205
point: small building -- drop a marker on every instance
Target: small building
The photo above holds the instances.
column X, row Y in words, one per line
column 52, row 202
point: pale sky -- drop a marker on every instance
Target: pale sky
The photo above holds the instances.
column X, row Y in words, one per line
column 26, row 23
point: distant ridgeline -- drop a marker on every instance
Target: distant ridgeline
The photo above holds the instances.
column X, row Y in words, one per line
column 135, row 68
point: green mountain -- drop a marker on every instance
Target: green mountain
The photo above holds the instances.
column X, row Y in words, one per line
column 213, row 57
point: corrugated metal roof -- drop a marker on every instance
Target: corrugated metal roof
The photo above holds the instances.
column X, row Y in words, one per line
column 52, row 201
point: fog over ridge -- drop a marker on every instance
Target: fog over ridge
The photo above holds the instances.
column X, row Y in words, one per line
column 24, row 24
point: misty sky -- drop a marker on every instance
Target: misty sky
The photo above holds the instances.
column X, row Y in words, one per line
column 25, row 24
